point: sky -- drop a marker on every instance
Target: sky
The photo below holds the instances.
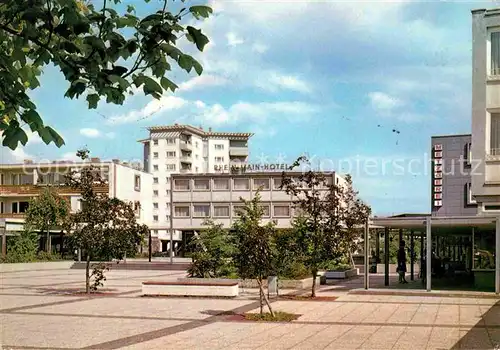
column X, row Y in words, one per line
column 360, row 87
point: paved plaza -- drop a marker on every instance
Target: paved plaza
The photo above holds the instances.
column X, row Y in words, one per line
column 36, row 314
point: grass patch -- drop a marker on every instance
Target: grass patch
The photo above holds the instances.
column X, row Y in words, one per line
column 279, row 316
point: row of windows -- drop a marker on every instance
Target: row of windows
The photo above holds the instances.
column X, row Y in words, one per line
column 167, row 167
column 155, row 205
column 155, row 218
column 171, row 141
column 238, row 184
column 156, row 193
column 223, row 210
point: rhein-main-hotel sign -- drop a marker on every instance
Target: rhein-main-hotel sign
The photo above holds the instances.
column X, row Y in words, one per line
column 250, row 167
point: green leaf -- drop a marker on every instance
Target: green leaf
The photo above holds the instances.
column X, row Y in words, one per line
column 32, row 118
column 13, row 135
column 171, row 51
column 49, row 135
column 185, row 62
column 197, row 67
column 151, row 87
column 130, row 8
column 201, row 11
column 124, row 84
column 93, row 99
column 168, row 84
column 198, row 37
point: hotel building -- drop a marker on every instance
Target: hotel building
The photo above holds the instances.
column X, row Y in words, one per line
column 196, row 198
column 184, row 149
column 21, row 182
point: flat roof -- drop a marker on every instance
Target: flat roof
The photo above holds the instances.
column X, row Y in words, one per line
column 419, row 222
column 457, row 135
column 249, row 173
column 198, row 131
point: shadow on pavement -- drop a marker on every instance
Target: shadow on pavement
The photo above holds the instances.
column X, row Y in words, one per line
column 485, row 334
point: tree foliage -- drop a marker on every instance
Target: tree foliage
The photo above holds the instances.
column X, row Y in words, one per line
column 329, row 217
column 104, row 228
column 46, row 212
column 254, row 245
column 102, row 48
column 213, row 252
column 24, row 248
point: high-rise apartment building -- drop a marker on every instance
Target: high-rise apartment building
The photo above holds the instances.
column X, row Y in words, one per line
column 184, row 149
column 486, row 110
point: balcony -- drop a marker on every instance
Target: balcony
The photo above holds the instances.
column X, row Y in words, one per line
column 186, row 159
column 494, row 154
column 186, row 145
column 238, row 151
column 34, row 190
column 12, row 216
column 185, row 170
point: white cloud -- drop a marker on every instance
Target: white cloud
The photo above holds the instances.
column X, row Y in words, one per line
column 202, row 81
column 154, row 107
column 89, row 132
column 71, row 156
column 259, row 48
column 14, row 156
column 286, row 82
column 384, row 102
column 233, row 39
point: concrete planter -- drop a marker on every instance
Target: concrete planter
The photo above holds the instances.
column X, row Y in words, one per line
column 341, row 274
column 251, row 283
column 206, row 288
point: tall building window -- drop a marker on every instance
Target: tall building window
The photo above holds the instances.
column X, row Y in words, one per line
column 495, row 53
column 221, row 211
column 155, row 142
column 155, row 154
column 261, row 184
column 155, row 218
column 241, row 184
column 277, row 183
column 181, row 185
column 495, row 134
column 219, row 159
column 470, row 199
column 170, row 166
column 155, row 193
column 170, row 141
column 137, row 182
column 181, row 211
column 282, row 210
column 201, row 184
column 167, row 193
column 155, row 180
column 265, row 211
column 155, row 167
column 171, row 154
column 167, row 180
column 221, row 184
column 155, row 205
column 201, row 210
column 219, row 146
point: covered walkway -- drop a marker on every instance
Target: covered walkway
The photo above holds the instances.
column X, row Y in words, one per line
column 475, row 238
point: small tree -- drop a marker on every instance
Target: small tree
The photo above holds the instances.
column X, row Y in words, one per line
column 213, row 251
column 331, row 215
column 308, row 191
column 46, row 212
column 254, row 246
column 104, row 228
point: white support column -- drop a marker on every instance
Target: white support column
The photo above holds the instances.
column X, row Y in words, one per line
column 367, row 254
column 497, row 257
column 428, row 260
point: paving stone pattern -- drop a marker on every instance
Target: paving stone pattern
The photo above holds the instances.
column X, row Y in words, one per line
column 37, row 312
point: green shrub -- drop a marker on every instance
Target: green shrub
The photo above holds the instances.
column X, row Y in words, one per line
column 296, row 270
column 44, row 256
column 23, row 248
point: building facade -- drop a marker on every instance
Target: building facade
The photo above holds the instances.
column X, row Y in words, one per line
column 486, row 110
column 184, row 149
column 451, row 180
column 21, row 182
column 217, row 196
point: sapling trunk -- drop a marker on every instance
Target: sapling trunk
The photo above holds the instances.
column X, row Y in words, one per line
column 264, row 296
column 87, row 275
column 313, row 289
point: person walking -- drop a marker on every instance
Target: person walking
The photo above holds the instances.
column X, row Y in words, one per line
column 402, row 263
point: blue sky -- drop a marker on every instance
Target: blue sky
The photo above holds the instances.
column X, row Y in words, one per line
column 333, row 79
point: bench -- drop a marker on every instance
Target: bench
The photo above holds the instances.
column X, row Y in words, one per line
column 191, row 288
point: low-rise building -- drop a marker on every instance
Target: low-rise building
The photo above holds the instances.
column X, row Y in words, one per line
column 21, row 182
column 217, row 196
